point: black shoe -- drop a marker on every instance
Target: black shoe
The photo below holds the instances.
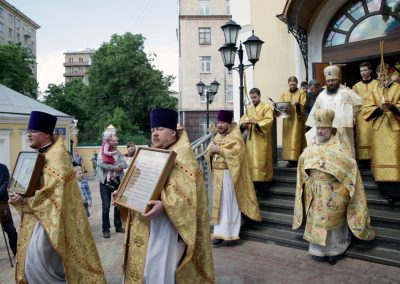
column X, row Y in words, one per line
column 120, row 230
column 319, row 258
column 106, row 235
column 291, row 164
column 332, row 259
column 217, row 243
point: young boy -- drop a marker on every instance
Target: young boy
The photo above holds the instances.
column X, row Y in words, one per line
column 85, row 190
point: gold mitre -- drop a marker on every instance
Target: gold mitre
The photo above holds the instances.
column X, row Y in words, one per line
column 324, row 117
column 331, row 72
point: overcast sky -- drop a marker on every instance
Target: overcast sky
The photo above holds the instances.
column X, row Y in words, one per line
column 71, row 25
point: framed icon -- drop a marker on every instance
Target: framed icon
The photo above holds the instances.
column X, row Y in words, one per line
column 26, row 174
column 145, row 178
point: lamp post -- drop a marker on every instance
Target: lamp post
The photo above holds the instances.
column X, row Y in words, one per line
column 209, row 92
column 228, row 51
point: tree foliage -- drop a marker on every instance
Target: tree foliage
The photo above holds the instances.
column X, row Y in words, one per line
column 15, row 69
column 123, row 76
column 124, row 86
column 69, row 98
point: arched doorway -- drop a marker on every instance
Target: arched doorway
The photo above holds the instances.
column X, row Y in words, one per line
column 354, row 32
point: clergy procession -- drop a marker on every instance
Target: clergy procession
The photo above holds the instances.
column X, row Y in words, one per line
column 173, row 240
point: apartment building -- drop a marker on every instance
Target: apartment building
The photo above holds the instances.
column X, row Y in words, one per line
column 76, row 64
column 15, row 27
column 200, row 37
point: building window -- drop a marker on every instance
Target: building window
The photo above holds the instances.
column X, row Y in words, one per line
column 1, row 27
column 229, row 93
column 1, row 12
column 363, row 20
column 18, row 24
column 205, row 64
column 10, row 33
column 10, row 18
column 204, row 35
column 70, row 59
column 80, row 59
column 18, row 37
column 204, row 7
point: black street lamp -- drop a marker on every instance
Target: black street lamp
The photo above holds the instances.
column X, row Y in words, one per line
column 228, row 51
column 209, row 92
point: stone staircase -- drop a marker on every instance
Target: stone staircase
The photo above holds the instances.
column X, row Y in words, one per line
column 277, row 214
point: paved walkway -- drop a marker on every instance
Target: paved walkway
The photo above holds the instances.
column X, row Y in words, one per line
column 244, row 263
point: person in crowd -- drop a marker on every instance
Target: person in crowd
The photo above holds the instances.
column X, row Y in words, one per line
column 94, row 161
column 343, row 101
column 5, row 213
column 232, row 189
column 109, row 155
column 258, row 120
column 363, row 135
column 312, row 95
column 131, row 150
column 85, row 189
column 106, row 191
column 77, row 159
column 382, row 108
column 304, row 87
column 293, row 140
column 53, row 221
column 330, row 197
column 171, row 242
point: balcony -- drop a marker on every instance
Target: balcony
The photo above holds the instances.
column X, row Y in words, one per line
column 74, row 74
column 77, row 64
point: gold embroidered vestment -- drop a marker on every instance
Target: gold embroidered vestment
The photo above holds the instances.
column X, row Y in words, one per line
column 329, row 192
column 232, row 154
column 58, row 206
column 258, row 141
column 185, row 202
column 293, row 139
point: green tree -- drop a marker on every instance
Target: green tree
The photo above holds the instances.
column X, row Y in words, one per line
column 15, row 69
column 69, row 98
column 125, row 85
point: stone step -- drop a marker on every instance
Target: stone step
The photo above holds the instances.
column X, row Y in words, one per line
column 381, row 218
column 273, row 235
column 373, row 197
column 376, row 254
column 385, row 237
column 293, row 239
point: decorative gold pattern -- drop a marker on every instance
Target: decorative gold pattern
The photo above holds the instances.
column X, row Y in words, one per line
column 330, row 195
column 385, row 152
column 234, row 156
column 185, row 202
column 58, row 194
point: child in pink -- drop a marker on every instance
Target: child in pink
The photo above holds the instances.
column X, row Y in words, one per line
column 107, row 154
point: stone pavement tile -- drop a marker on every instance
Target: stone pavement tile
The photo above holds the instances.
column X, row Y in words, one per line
column 247, row 262
column 252, row 262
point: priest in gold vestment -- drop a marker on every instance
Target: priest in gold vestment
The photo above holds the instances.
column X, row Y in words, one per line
column 343, row 101
column 257, row 120
column 330, row 196
column 171, row 242
column 55, row 243
column 383, row 109
column 232, row 189
column 363, row 135
column 293, row 139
